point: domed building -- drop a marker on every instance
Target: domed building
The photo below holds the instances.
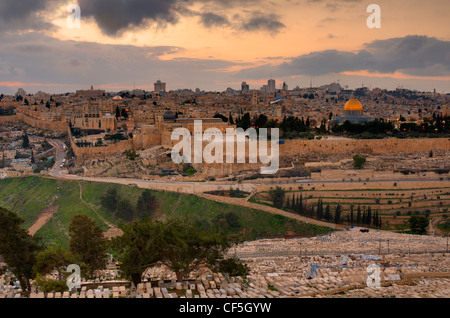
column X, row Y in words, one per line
column 354, row 113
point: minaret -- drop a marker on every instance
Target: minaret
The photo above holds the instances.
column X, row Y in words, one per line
column 255, row 98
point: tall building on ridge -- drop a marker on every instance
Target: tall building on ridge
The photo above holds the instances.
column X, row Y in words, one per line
column 255, row 98
column 245, row 87
column 271, row 85
column 160, row 86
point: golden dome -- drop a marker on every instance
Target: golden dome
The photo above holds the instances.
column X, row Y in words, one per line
column 353, row 104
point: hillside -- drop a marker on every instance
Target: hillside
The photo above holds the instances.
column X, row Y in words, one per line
column 53, row 203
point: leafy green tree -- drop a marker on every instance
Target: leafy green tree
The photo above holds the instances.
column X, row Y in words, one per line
column 17, row 247
column 110, row 200
column 277, row 196
column 178, row 244
column 224, row 119
column 54, row 259
column 244, row 122
column 418, row 224
column 125, row 210
column 88, row 243
column 227, row 222
column 358, row 162
column 185, row 247
column 261, row 121
column 233, row 267
column 145, row 204
column 131, row 154
column 50, row 285
column 138, row 248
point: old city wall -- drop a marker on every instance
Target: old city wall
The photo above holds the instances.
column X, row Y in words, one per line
column 41, row 124
column 315, row 148
column 146, row 140
column 367, row 146
column 8, row 119
column 86, row 153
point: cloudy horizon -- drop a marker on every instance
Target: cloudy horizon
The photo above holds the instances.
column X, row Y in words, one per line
column 216, row 44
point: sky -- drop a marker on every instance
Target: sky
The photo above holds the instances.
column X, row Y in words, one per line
column 216, row 44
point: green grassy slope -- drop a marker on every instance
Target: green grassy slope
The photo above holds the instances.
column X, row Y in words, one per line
column 28, row 196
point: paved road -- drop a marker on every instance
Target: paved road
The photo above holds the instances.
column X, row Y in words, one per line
column 176, row 186
column 187, row 187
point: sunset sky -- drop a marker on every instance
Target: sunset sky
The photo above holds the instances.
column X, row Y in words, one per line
column 215, row 44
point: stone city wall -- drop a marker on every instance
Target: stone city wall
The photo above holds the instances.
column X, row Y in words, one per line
column 366, row 146
column 42, row 124
column 86, row 153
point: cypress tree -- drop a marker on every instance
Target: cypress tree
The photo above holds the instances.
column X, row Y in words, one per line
column 319, row 209
column 337, row 214
column 327, row 213
column 358, row 215
column 351, row 215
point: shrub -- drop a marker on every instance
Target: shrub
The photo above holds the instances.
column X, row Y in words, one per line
column 51, row 285
column 358, row 162
column 233, row 267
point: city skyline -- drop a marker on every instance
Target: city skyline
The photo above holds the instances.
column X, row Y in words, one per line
column 213, row 45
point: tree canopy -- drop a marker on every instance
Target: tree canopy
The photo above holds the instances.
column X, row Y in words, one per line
column 17, row 247
column 178, row 244
column 88, row 243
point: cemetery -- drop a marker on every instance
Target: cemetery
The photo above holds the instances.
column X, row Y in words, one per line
column 332, row 265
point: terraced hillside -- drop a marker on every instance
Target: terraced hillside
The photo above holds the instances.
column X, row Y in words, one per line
column 394, row 205
column 48, row 205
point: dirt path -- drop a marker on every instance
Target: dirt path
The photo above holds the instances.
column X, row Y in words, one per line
column 272, row 210
column 433, row 228
column 113, row 231
column 44, row 216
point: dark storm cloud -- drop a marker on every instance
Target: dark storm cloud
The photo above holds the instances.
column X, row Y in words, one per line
column 408, row 53
column 259, row 21
column 412, row 55
column 22, row 15
column 210, row 19
column 114, row 16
